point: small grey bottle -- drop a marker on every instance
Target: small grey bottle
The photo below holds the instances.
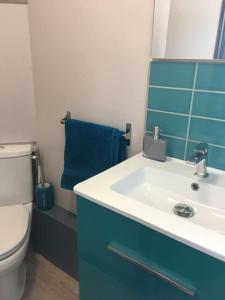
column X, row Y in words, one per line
column 155, row 146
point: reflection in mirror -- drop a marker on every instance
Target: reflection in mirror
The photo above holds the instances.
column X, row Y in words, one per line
column 189, row 29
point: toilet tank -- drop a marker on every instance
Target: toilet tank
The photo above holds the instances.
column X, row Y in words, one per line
column 16, row 185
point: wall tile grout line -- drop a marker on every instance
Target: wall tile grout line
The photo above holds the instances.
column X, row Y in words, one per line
column 185, row 115
column 185, row 89
column 190, row 112
column 169, row 136
column 167, row 112
column 169, row 87
column 189, row 140
column 207, row 118
column 216, row 146
column 210, row 91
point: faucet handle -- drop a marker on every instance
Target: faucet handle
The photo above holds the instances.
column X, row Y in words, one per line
column 201, row 148
column 199, row 158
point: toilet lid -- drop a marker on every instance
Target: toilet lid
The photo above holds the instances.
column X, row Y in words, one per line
column 14, row 221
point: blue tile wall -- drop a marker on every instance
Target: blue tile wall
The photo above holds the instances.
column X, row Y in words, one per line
column 171, row 124
column 170, row 100
column 172, row 75
column 187, row 101
column 175, row 147
column 207, row 130
column 210, row 105
column 210, row 77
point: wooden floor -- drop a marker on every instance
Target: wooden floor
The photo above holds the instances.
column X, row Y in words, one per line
column 46, row 282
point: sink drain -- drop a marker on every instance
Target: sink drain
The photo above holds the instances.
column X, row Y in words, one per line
column 194, row 186
column 184, row 210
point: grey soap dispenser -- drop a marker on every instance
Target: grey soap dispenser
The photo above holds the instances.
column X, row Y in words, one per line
column 154, row 146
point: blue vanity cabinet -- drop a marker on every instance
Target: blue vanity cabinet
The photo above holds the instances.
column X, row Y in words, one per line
column 120, row 259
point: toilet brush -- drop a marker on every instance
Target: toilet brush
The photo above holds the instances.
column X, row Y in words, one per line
column 44, row 190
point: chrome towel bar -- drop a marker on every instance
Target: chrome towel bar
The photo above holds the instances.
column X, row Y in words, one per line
column 127, row 134
column 14, row 1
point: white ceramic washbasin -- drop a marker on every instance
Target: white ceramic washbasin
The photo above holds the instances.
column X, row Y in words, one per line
column 147, row 191
column 163, row 190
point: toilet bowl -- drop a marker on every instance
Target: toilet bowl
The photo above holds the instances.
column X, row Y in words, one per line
column 12, row 264
column 15, row 218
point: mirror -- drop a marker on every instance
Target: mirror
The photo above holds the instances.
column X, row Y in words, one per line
column 189, row 29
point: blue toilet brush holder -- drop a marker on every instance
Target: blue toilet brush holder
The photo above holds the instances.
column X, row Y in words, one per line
column 44, row 196
column 44, row 191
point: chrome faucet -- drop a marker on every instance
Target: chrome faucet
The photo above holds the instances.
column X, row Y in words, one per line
column 199, row 158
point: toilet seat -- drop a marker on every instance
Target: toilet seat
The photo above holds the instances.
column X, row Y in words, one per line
column 14, row 224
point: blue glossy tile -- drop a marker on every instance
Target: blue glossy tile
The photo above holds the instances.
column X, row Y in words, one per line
column 169, row 100
column 169, row 123
column 210, row 105
column 175, row 148
column 211, row 77
column 173, row 74
column 207, row 131
column 216, row 156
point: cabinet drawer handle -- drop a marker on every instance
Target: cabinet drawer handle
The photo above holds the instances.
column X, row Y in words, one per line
column 114, row 248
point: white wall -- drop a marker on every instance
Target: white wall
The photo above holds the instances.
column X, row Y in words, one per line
column 160, row 30
column 193, row 28
column 16, row 87
column 90, row 57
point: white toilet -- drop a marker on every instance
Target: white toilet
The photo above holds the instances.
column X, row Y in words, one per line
column 16, row 197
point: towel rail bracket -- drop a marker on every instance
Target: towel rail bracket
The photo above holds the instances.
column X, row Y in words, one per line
column 67, row 117
column 127, row 134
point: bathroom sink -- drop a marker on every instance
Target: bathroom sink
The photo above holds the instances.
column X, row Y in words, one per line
column 163, row 190
column 147, row 192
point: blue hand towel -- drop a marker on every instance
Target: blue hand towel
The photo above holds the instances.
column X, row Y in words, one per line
column 89, row 150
